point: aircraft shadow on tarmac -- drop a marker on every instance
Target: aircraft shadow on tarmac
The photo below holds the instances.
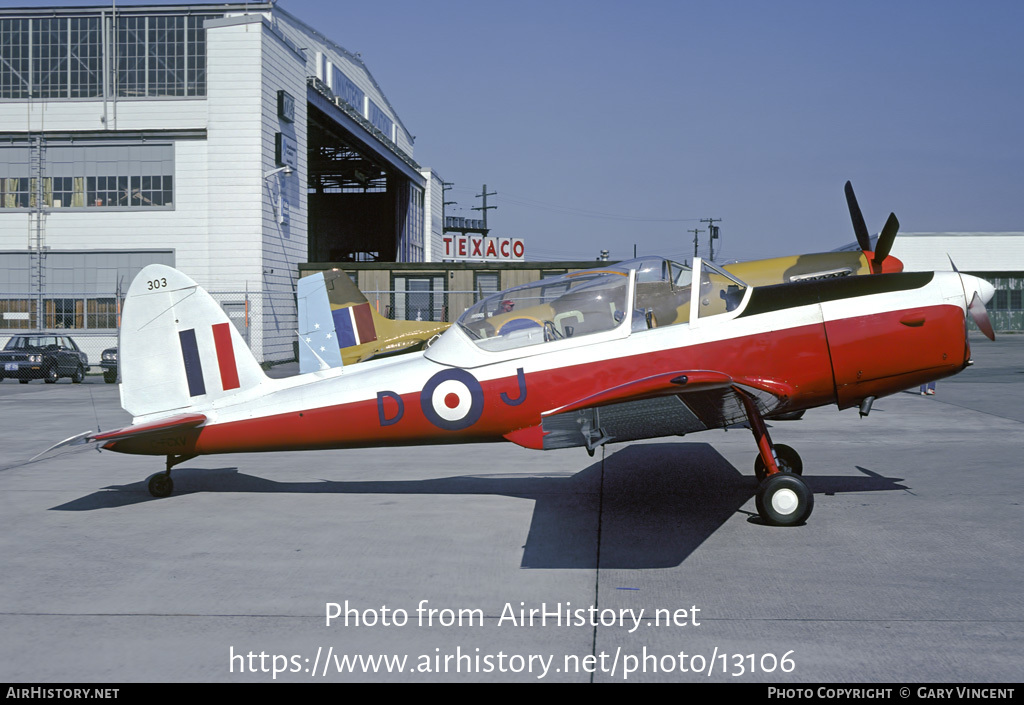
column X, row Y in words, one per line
column 649, row 506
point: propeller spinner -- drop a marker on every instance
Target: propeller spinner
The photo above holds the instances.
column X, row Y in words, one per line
column 979, row 292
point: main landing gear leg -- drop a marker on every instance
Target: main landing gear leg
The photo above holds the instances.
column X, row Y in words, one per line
column 161, row 484
column 783, row 499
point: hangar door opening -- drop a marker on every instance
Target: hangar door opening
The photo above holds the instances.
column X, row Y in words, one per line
column 361, row 208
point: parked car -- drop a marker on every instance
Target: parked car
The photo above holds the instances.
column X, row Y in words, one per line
column 45, row 357
column 108, row 361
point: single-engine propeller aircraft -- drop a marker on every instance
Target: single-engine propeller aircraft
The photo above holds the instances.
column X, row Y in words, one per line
column 828, row 265
column 337, row 325
column 334, row 313
column 644, row 349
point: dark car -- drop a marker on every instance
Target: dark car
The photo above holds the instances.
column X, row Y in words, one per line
column 45, row 357
column 108, row 361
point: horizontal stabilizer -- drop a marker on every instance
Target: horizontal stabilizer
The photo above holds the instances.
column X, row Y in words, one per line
column 153, row 431
column 171, row 423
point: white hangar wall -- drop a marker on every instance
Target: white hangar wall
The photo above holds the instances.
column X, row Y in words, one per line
column 230, row 216
column 971, row 252
column 997, row 257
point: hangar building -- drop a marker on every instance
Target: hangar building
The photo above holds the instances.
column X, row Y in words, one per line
column 232, row 141
column 996, row 257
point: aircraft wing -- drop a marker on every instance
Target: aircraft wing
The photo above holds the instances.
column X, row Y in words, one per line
column 670, row 404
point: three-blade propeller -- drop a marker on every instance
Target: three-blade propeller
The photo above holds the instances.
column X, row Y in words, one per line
column 885, row 238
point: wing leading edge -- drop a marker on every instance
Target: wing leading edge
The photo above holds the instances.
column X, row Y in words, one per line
column 671, row 404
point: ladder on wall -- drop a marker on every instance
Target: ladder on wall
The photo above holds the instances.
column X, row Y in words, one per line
column 37, row 226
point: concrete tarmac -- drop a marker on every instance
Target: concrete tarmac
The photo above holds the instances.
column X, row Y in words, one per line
column 908, row 571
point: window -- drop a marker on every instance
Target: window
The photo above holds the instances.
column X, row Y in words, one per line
column 420, row 298
column 486, row 283
column 90, row 175
column 17, row 314
column 62, row 57
column 101, row 313
column 63, row 313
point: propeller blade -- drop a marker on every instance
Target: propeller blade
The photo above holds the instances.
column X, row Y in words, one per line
column 980, row 316
column 886, row 238
column 859, row 227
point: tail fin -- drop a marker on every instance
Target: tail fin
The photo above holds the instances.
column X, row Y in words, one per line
column 318, row 340
column 178, row 350
column 353, row 316
column 334, row 316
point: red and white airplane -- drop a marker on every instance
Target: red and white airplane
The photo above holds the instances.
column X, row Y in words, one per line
column 644, row 349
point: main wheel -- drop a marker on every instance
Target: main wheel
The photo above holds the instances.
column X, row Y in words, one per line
column 784, row 500
column 51, row 375
column 110, row 376
column 786, row 458
column 161, row 485
column 78, row 376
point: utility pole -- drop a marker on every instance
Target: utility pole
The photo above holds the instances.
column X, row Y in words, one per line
column 712, row 236
column 485, row 207
column 695, row 233
column 446, row 186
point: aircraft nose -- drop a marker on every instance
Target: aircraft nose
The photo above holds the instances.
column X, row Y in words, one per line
column 977, row 285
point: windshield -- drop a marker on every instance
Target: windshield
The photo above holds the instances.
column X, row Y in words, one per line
column 662, row 290
column 582, row 303
column 720, row 291
column 20, row 342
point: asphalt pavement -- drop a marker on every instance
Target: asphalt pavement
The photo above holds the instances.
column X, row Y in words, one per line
column 645, row 563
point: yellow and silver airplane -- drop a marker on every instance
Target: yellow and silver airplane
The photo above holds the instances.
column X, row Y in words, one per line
column 338, row 326
column 828, row 265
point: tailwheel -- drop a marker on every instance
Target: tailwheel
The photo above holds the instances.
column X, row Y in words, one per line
column 784, row 500
column 787, row 459
column 161, row 485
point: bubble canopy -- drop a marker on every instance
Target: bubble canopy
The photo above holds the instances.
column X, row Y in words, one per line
column 572, row 305
column 583, row 303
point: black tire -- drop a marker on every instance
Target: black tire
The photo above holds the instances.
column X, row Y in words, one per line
column 79, row 376
column 161, row 485
column 23, row 381
column 51, row 375
column 784, row 500
column 110, row 376
column 788, row 460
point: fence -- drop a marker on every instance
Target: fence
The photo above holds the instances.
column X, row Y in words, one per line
column 422, row 305
column 267, row 321
column 92, row 319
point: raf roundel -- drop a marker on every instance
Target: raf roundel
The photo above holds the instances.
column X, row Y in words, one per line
column 452, row 400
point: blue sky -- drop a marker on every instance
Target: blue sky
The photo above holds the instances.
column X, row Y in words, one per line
column 613, row 124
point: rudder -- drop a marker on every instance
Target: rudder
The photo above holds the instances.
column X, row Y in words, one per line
column 177, row 348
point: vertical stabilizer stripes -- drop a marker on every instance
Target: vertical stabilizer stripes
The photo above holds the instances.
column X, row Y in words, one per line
column 225, row 356
column 364, row 323
column 354, row 325
column 193, row 365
